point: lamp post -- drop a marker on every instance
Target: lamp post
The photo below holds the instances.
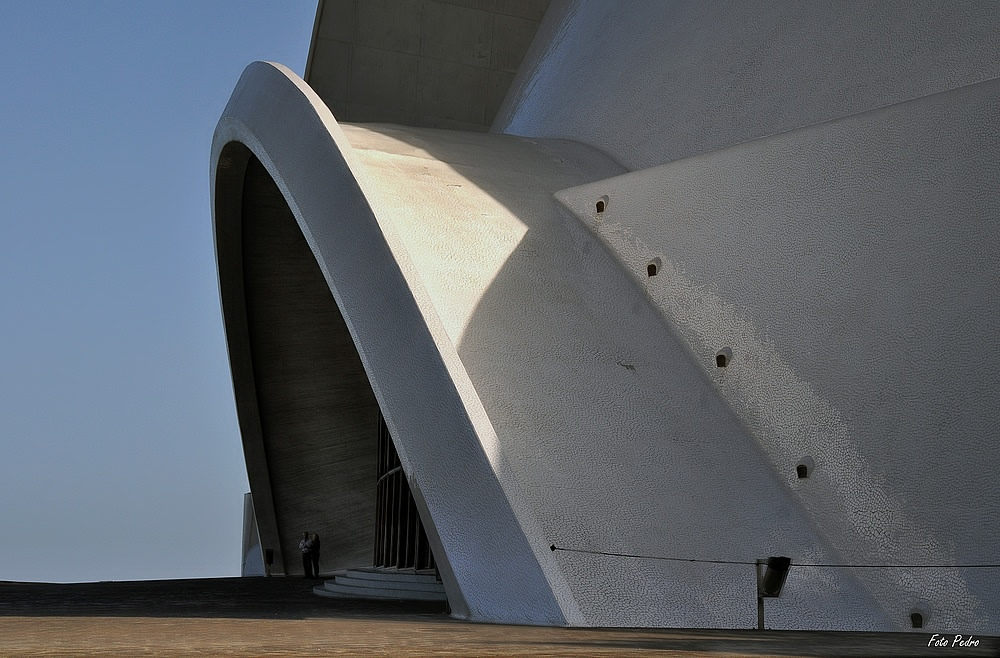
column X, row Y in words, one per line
column 771, row 574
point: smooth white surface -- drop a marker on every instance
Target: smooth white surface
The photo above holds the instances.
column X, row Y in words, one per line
column 846, row 260
column 651, row 81
column 608, row 436
column 487, row 567
column 850, row 310
column 844, row 249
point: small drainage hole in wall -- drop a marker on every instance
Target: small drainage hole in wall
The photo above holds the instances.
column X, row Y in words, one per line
column 802, row 471
column 602, row 204
column 723, row 357
column 916, row 620
column 651, row 269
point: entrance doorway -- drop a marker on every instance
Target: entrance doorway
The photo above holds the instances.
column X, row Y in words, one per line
column 400, row 540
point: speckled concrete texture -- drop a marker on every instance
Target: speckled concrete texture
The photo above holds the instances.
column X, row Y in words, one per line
column 827, row 221
column 606, row 433
column 805, row 191
column 850, row 269
column 651, row 81
column 486, row 563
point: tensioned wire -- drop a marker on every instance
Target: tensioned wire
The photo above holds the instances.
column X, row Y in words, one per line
column 554, row 548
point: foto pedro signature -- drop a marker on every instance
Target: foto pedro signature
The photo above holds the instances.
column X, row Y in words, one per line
column 956, row 641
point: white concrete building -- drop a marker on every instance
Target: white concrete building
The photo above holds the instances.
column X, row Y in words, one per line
column 718, row 283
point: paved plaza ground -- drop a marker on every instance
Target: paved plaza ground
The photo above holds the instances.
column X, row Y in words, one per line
column 281, row 617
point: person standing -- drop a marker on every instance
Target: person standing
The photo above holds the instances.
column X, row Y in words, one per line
column 314, row 555
column 305, row 545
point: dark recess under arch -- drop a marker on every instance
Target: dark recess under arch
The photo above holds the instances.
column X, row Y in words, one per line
column 308, row 416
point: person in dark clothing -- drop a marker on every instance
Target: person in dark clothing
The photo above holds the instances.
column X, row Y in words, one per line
column 305, row 545
column 314, row 555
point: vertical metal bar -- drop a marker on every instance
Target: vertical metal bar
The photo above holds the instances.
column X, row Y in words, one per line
column 411, row 536
column 394, row 520
column 386, row 522
column 418, row 554
column 409, row 529
column 400, row 524
column 378, row 491
column 399, row 518
column 760, row 598
column 414, row 531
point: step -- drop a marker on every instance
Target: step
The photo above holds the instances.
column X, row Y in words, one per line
column 383, row 575
column 335, row 590
column 375, row 583
column 431, row 585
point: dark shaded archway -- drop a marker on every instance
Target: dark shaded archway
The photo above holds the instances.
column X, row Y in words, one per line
column 318, row 414
column 320, row 439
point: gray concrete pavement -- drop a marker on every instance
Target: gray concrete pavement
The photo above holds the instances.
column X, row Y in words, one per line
column 281, row 617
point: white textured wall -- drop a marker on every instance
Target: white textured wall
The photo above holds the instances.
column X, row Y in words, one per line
column 487, row 565
column 607, row 431
column 650, row 81
column 535, row 395
column 817, row 186
column 845, row 250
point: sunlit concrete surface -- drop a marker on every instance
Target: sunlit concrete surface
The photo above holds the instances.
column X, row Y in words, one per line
column 719, row 285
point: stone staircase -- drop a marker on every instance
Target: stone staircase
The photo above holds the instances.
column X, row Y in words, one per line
column 372, row 583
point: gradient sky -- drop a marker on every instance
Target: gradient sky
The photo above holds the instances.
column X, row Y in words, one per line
column 120, row 456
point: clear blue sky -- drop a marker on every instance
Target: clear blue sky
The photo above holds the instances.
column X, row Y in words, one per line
column 120, row 455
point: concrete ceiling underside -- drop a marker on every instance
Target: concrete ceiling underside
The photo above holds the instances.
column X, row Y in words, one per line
column 428, row 63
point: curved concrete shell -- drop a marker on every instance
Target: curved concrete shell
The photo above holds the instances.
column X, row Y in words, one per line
column 622, row 362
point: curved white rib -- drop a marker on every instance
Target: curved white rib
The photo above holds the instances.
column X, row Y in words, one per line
column 489, row 570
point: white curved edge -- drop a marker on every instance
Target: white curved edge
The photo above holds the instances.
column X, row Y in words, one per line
column 490, row 570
